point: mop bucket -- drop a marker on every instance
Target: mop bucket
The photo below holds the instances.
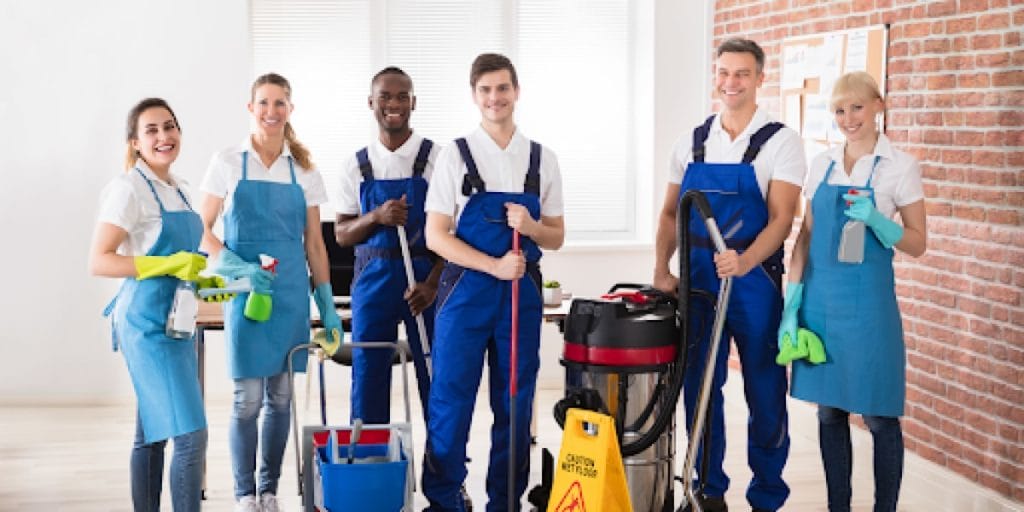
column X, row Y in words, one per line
column 369, row 475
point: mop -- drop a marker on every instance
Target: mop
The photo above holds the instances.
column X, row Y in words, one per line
column 411, row 278
column 513, row 358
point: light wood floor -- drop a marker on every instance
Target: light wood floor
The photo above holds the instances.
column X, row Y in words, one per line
column 76, row 459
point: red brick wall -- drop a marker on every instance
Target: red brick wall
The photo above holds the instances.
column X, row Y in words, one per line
column 956, row 101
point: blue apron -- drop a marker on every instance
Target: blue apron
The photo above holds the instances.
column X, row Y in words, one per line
column 378, row 288
column 853, row 308
column 268, row 218
column 473, row 322
column 164, row 370
column 752, row 320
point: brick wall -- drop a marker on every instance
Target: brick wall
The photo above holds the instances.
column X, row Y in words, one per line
column 956, row 101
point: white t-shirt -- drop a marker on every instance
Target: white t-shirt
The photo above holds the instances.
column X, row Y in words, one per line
column 225, row 171
column 387, row 165
column 502, row 170
column 897, row 178
column 128, row 203
column 781, row 158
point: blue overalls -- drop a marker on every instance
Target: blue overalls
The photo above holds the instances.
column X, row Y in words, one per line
column 164, row 370
column 378, row 290
column 268, row 218
column 853, row 308
column 754, row 312
column 473, row 320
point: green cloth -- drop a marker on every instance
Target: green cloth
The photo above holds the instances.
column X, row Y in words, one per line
column 808, row 345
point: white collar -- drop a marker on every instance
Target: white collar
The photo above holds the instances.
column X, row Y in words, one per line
column 759, row 119
column 407, row 150
column 149, row 174
column 516, row 145
column 246, row 145
column 883, row 149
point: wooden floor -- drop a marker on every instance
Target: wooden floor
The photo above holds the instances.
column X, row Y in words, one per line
column 76, row 459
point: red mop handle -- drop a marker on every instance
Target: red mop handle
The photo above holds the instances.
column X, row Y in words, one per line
column 515, row 322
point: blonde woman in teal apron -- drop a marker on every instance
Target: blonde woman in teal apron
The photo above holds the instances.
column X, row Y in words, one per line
column 270, row 195
column 851, row 306
column 148, row 234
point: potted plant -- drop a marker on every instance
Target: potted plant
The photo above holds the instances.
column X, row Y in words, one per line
column 552, row 293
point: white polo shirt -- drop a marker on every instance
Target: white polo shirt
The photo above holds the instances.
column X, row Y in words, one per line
column 225, row 171
column 128, row 203
column 897, row 178
column 781, row 158
column 387, row 165
column 502, row 170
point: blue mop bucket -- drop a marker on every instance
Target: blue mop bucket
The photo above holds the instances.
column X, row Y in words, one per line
column 372, row 482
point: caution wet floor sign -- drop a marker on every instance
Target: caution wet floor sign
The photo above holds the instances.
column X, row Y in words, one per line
column 589, row 474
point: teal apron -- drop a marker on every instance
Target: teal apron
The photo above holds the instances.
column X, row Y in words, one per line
column 164, row 370
column 853, row 308
column 268, row 218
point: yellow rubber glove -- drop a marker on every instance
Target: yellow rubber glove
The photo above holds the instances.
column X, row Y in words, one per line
column 183, row 264
column 329, row 344
column 214, row 282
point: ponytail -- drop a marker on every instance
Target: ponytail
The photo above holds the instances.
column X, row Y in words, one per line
column 299, row 151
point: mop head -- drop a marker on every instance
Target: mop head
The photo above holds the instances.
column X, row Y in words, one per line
column 808, row 345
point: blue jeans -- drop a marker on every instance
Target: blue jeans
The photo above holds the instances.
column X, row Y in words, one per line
column 837, row 457
column 272, row 395
column 147, row 471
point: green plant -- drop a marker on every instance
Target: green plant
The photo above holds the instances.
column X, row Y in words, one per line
column 552, row 284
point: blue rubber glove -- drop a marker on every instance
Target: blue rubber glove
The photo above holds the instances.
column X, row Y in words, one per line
column 863, row 209
column 229, row 264
column 788, row 325
column 324, row 298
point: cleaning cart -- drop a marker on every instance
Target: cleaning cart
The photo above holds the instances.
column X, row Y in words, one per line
column 354, row 467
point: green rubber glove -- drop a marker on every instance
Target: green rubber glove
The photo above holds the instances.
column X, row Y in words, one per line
column 213, row 282
column 183, row 264
column 324, row 298
column 863, row 209
column 788, row 325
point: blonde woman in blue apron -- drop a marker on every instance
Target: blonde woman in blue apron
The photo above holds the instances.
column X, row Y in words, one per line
column 148, row 234
column 270, row 195
column 852, row 305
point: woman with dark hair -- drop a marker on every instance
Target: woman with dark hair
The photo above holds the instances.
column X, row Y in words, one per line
column 148, row 234
column 270, row 196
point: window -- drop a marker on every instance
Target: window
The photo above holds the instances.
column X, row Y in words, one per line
column 575, row 60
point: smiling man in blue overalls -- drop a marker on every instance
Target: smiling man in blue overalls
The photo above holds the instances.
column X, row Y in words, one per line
column 383, row 186
column 485, row 185
column 751, row 170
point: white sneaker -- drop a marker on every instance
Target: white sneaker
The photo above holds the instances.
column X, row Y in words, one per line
column 268, row 503
column 247, row 504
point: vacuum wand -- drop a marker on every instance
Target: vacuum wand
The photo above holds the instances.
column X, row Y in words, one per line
column 513, row 359
column 403, row 241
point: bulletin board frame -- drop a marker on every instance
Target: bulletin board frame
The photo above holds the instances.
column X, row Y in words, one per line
column 811, row 63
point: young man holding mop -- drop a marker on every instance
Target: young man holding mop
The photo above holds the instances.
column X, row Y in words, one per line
column 751, row 170
column 492, row 186
column 382, row 192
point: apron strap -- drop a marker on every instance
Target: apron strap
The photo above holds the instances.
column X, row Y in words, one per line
column 153, row 190
column 700, row 136
column 472, row 178
column 291, row 169
column 532, row 183
column 828, row 172
column 363, row 159
column 874, row 165
column 245, row 165
column 422, row 158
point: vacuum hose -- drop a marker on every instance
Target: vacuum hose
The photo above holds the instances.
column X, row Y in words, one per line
column 675, row 384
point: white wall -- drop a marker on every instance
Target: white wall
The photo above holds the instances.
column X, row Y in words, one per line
column 72, row 71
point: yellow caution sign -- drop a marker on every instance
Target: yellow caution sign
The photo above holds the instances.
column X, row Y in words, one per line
column 589, row 474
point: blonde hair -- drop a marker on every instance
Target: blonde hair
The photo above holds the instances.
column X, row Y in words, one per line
column 132, row 127
column 299, row 151
column 856, row 84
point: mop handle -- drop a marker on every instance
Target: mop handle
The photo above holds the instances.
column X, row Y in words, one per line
column 515, row 320
column 513, row 358
column 403, row 242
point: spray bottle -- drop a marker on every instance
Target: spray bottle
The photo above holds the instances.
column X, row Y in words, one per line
column 259, row 305
column 181, row 319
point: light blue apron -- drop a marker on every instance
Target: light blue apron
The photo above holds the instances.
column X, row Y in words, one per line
column 164, row 370
column 268, row 218
column 853, row 308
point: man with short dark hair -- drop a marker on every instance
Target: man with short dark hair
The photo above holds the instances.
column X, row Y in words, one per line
column 751, row 170
column 486, row 185
column 384, row 185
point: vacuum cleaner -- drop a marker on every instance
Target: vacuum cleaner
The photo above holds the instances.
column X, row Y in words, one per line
column 625, row 355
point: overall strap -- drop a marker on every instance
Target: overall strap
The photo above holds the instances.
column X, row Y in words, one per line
column 363, row 159
column 153, row 190
column 758, row 140
column 472, row 179
column 532, row 183
column 422, row 158
column 700, row 136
